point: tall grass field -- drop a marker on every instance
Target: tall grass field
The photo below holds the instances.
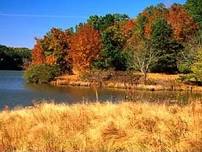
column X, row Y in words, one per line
column 102, row 127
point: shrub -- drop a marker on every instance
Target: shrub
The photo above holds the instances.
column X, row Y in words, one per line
column 196, row 67
column 188, row 79
column 184, row 68
column 101, row 64
column 42, row 73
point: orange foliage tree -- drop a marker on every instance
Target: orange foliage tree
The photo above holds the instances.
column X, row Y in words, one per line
column 182, row 24
column 127, row 28
column 50, row 59
column 38, row 56
column 56, row 41
column 56, row 44
column 150, row 15
column 85, row 47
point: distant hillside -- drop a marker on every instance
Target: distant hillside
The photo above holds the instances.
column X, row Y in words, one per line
column 13, row 58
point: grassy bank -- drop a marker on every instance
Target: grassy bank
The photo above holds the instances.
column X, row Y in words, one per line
column 125, row 80
column 128, row 127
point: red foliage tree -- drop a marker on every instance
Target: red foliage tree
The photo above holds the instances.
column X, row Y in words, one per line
column 85, row 47
column 181, row 22
column 38, row 56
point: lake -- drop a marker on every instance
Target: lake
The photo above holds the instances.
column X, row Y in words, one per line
column 15, row 92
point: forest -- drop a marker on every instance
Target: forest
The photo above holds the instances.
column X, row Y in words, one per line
column 159, row 40
column 14, row 58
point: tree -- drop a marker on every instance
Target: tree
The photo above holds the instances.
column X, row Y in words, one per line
column 51, row 60
column 14, row 58
column 166, row 48
column 24, row 53
column 127, row 28
column 95, row 22
column 194, row 8
column 147, row 18
column 186, row 57
column 85, row 47
column 143, row 54
column 112, row 53
column 197, row 66
column 7, row 62
column 38, row 56
column 101, row 23
column 183, row 26
column 56, row 46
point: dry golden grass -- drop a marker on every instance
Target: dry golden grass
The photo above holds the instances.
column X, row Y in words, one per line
column 163, row 77
column 127, row 127
column 158, row 76
column 123, row 80
column 155, row 81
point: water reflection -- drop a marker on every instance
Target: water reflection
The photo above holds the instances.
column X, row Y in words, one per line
column 14, row 91
column 181, row 97
column 75, row 94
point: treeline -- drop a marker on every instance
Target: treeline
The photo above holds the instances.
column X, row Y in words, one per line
column 159, row 39
column 14, row 58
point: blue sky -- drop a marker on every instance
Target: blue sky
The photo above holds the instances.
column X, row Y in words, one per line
column 23, row 20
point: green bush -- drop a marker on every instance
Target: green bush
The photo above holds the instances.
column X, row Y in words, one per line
column 184, row 68
column 188, row 79
column 191, row 79
column 41, row 73
column 101, row 64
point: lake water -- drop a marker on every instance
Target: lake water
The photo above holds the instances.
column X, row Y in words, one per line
column 15, row 92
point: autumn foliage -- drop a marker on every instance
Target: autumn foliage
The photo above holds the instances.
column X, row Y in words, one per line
column 182, row 23
column 50, row 59
column 56, row 41
column 109, row 42
column 85, row 47
column 127, row 27
column 150, row 15
column 38, row 56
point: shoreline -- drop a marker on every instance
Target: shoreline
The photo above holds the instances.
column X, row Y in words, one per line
column 168, row 85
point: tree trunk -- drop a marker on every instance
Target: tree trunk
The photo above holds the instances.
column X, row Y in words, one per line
column 96, row 95
column 145, row 77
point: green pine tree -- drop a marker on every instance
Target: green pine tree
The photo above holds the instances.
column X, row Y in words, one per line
column 165, row 46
